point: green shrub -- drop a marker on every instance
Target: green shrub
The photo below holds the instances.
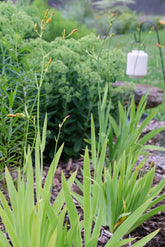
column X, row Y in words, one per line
column 71, row 85
column 17, row 89
column 125, row 22
column 13, row 19
column 21, row 19
column 57, row 25
column 81, row 11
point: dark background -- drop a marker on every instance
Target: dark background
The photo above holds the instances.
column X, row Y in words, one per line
column 149, row 7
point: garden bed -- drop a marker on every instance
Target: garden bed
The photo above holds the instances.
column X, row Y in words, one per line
column 156, row 222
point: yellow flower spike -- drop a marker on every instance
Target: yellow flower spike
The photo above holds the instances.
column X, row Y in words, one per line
column 50, row 60
column 11, row 115
column 67, row 116
column 46, row 12
column 35, row 27
column 112, row 15
column 153, row 163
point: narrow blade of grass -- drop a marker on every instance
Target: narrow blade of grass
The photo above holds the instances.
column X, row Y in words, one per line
column 145, row 240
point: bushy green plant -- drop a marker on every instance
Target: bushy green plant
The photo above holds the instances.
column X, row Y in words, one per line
column 19, row 89
column 13, row 19
column 95, row 188
column 30, row 222
column 16, row 89
column 71, row 84
column 128, row 133
column 79, row 10
column 102, row 22
column 22, row 18
column 33, row 221
column 124, row 22
column 127, row 185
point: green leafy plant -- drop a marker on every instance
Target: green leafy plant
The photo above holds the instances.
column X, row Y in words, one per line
column 127, row 186
column 20, row 18
column 20, row 94
column 14, row 19
column 71, row 84
column 17, row 89
column 125, row 22
column 94, row 187
column 29, row 222
column 72, row 88
column 33, row 221
column 91, row 233
column 79, row 10
column 128, row 133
